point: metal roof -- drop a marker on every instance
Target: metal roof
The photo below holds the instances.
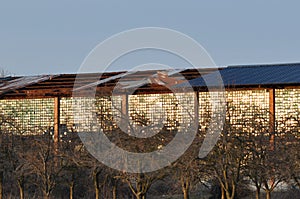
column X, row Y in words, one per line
column 20, row 82
column 8, row 78
column 254, row 75
column 63, row 84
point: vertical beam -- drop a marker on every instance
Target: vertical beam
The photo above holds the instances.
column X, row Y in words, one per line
column 56, row 118
column 124, row 122
column 196, row 108
column 272, row 117
column 125, row 113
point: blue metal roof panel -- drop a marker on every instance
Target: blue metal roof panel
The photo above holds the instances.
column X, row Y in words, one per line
column 254, row 75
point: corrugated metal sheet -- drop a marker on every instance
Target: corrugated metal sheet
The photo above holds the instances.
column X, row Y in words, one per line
column 5, row 79
column 147, row 79
column 22, row 82
column 98, row 82
column 255, row 75
column 142, row 79
column 63, row 84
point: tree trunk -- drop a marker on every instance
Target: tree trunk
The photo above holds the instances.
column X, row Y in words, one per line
column 186, row 194
column 1, row 184
column 228, row 195
column 71, row 189
column 47, row 191
column 114, row 192
column 21, row 189
column 222, row 193
column 96, row 186
column 138, row 196
column 257, row 193
column 185, row 186
column 47, row 196
column 268, row 194
column 232, row 192
column 97, row 192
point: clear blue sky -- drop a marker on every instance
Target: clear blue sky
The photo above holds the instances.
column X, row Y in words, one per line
column 39, row 37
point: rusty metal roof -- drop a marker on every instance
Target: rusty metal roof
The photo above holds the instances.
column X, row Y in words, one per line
column 63, row 84
column 10, row 84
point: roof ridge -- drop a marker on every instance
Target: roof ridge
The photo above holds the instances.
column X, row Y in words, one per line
column 264, row 65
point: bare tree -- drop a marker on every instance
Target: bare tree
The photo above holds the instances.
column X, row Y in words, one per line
column 293, row 156
column 18, row 162
column 294, row 166
column 4, row 152
column 291, row 138
column 140, row 183
column 189, row 174
column 267, row 162
column 189, row 170
column 227, row 160
column 266, row 168
column 258, row 144
column 74, row 161
column 45, row 163
column 4, row 73
column 8, row 148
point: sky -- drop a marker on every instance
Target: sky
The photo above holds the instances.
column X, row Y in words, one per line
column 50, row 37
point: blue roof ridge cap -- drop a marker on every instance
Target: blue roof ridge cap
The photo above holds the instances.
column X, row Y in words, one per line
column 295, row 64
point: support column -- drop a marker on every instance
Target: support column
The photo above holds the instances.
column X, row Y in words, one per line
column 125, row 120
column 124, row 113
column 196, row 108
column 272, row 117
column 56, row 118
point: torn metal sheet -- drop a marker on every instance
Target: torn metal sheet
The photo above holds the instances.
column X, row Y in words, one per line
column 22, row 82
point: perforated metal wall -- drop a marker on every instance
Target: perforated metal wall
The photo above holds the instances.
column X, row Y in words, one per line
column 288, row 111
column 27, row 116
column 247, row 110
column 172, row 110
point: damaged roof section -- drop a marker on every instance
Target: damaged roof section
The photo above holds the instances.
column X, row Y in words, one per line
column 14, row 83
column 62, row 85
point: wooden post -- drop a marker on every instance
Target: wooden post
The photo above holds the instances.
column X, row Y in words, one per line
column 124, row 123
column 56, row 118
column 124, row 113
column 272, row 126
column 272, row 117
column 196, row 108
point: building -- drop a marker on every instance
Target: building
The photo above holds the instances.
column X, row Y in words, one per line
column 267, row 94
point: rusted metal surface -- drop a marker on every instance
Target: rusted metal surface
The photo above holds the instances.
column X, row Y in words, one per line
column 22, row 82
column 102, row 81
column 45, row 86
column 272, row 118
column 56, row 119
column 124, row 112
column 196, row 107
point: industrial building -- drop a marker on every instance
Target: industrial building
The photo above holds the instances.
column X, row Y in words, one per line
column 267, row 94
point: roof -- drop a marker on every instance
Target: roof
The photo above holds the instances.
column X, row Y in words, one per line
column 150, row 81
column 8, row 78
column 253, row 75
column 8, row 84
